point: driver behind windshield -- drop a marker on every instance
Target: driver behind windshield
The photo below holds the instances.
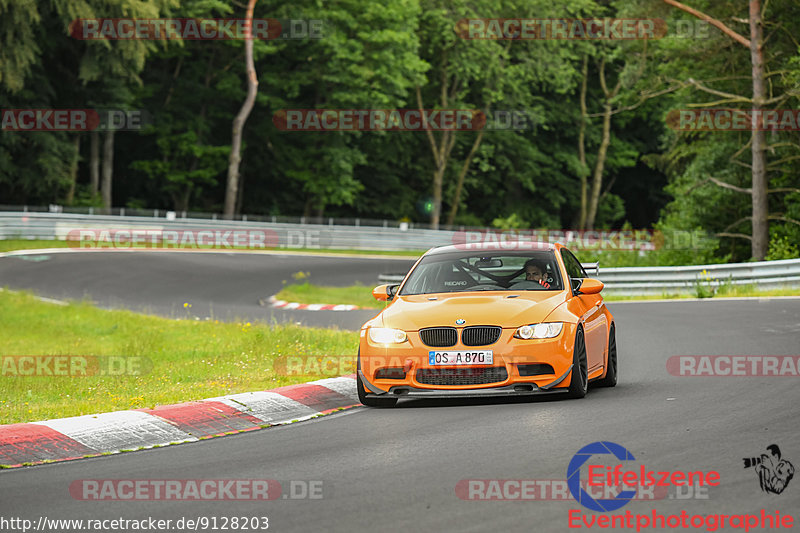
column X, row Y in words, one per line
column 536, row 270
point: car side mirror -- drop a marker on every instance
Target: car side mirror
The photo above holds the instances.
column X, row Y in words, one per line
column 391, row 290
column 384, row 292
column 589, row 286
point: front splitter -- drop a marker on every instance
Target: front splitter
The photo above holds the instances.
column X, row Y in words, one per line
column 508, row 390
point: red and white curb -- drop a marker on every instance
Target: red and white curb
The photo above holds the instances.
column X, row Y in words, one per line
column 92, row 435
column 283, row 304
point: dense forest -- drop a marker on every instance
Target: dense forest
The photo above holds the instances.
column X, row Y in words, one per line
column 596, row 149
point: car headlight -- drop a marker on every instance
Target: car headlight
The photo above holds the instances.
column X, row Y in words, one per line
column 546, row 330
column 387, row 335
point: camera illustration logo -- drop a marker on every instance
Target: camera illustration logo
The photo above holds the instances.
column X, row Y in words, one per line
column 574, row 476
column 774, row 473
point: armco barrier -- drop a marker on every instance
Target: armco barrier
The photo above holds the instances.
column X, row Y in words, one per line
column 685, row 279
column 628, row 280
column 49, row 226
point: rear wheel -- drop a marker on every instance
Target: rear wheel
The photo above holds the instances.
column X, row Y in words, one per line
column 579, row 378
column 362, row 393
column 611, row 374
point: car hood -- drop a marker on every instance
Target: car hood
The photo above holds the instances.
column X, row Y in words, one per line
column 410, row 313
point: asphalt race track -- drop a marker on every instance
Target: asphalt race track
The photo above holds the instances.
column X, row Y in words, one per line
column 398, row 469
column 226, row 286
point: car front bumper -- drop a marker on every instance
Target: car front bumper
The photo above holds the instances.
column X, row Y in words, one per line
column 510, row 353
column 518, row 389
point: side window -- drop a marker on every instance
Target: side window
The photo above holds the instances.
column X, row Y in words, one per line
column 580, row 266
column 574, row 268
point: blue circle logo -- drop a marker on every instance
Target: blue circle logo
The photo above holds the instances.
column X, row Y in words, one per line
column 460, row 321
column 574, row 476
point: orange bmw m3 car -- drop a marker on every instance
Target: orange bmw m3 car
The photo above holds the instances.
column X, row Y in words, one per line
column 471, row 321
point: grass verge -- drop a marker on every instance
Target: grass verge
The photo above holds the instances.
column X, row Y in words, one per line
column 11, row 245
column 308, row 293
column 186, row 359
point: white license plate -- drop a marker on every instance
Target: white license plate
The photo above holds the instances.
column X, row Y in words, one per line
column 481, row 357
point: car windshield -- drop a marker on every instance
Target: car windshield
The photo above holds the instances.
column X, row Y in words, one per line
column 479, row 271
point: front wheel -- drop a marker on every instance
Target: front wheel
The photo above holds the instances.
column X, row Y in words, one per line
column 371, row 402
column 579, row 378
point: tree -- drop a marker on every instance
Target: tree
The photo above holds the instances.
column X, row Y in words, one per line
column 368, row 58
column 45, row 67
column 483, row 73
column 759, row 217
column 238, row 123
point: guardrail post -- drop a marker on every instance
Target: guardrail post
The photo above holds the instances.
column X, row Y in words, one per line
column 155, row 213
column 122, row 211
column 244, row 218
column 302, row 220
column 358, row 222
column 330, row 221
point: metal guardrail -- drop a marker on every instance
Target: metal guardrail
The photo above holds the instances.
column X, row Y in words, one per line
column 689, row 279
column 199, row 215
column 56, row 226
column 627, row 280
column 685, row 279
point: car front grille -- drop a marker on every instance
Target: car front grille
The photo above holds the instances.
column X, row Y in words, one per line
column 438, row 337
column 480, row 335
column 462, row 376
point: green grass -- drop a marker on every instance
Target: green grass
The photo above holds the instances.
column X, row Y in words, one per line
column 728, row 290
column 307, row 293
column 23, row 244
column 190, row 359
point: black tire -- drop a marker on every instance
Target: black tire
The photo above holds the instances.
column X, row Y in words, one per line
column 579, row 377
column 371, row 402
column 611, row 375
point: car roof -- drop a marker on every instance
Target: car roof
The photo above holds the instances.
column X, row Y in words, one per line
column 494, row 247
